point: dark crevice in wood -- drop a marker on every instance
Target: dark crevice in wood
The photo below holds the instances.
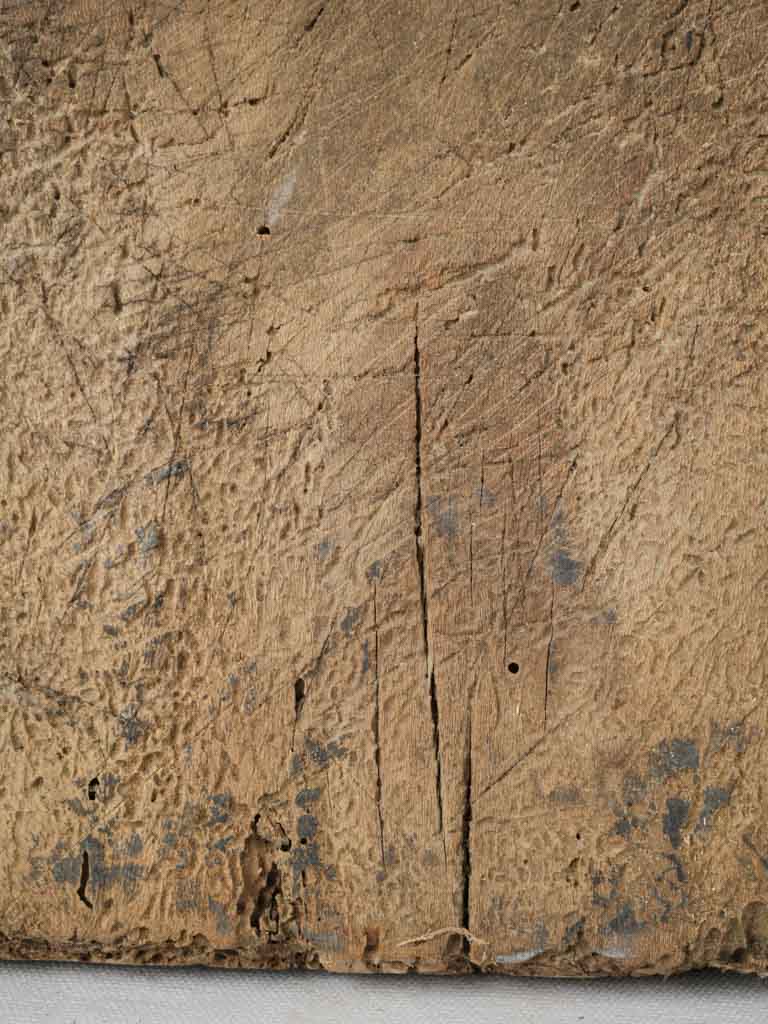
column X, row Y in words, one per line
column 466, row 829
column 85, row 873
column 376, row 733
column 418, row 531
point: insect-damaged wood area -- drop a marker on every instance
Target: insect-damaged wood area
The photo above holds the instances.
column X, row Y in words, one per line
column 382, row 484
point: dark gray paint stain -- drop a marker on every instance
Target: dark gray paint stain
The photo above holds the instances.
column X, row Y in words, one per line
column 132, row 846
column 574, row 932
column 322, row 755
column 174, row 469
column 134, row 610
column 65, row 869
column 366, row 658
column 612, row 882
column 665, row 904
column 37, row 865
column 148, row 537
column 79, row 809
column 487, row 498
column 634, row 789
column 606, row 618
column 223, row 843
column 111, row 630
column 625, row 824
column 224, row 924
column 306, row 797
column 672, row 757
column 108, row 783
column 251, row 701
column 153, row 647
column 130, row 725
column 350, row 620
column 324, row 549
column 675, row 818
column 169, row 837
column 185, row 858
column 306, row 826
column 444, row 516
column 219, row 807
column 112, row 563
column 187, row 896
column 553, row 665
column 564, row 569
column 303, row 857
column 565, row 795
column 102, row 876
column 374, row 570
column 715, row 797
column 680, row 872
column 733, row 733
column 87, row 533
column 625, row 922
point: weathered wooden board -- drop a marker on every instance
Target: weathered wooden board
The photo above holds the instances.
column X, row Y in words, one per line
column 383, row 484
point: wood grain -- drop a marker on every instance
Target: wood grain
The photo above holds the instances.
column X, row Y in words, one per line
column 383, row 484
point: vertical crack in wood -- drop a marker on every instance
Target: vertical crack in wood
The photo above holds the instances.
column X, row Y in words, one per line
column 549, row 654
column 418, row 510
column 376, row 734
column 466, row 828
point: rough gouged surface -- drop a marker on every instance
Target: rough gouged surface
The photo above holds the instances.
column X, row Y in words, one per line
column 383, row 484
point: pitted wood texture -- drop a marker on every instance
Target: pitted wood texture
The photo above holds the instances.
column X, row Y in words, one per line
column 382, row 484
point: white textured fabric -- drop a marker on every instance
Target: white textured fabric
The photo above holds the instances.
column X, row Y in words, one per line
column 74, row 994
